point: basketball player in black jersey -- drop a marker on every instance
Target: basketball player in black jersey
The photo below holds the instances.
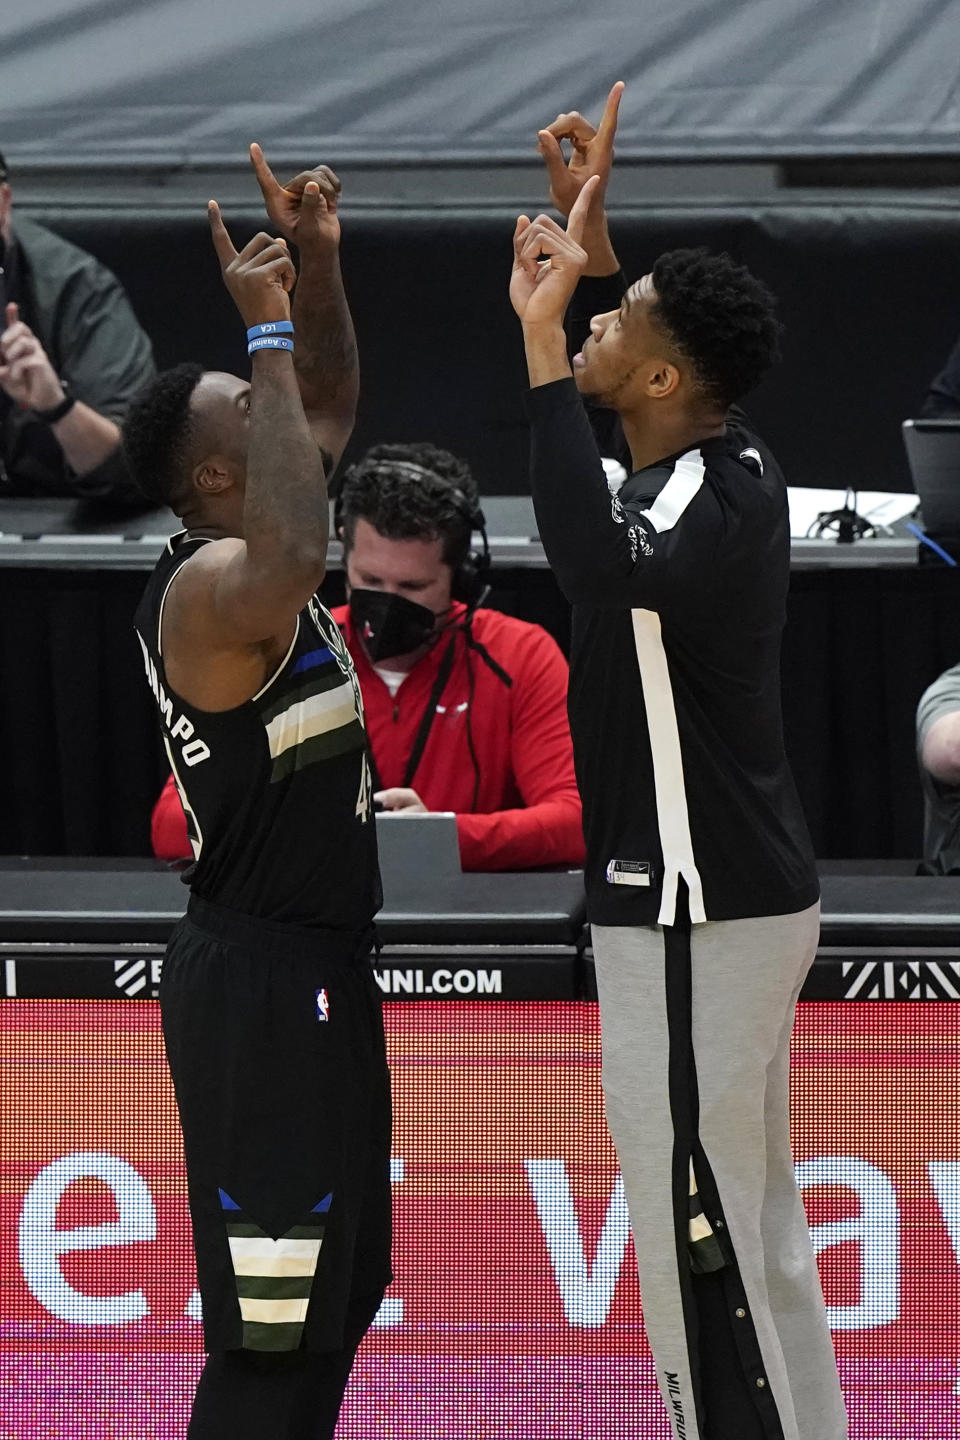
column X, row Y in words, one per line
column 271, row 1016
column 702, row 890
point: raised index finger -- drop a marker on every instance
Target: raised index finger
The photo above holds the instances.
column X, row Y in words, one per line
column 608, row 125
column 578, row 214
column 269, row 185
column 221, row 240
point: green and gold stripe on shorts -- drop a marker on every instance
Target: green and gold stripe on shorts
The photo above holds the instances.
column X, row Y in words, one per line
column 274, row 1279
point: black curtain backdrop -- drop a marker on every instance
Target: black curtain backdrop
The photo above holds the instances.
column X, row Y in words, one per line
column 869, row 294
column 84, row 763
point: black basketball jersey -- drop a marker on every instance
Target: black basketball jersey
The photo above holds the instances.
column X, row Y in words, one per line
column 277, row 791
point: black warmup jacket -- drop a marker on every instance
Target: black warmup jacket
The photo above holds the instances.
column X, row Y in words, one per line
column 678, row 586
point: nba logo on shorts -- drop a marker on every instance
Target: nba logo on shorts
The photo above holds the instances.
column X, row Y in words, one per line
column 323, row 1005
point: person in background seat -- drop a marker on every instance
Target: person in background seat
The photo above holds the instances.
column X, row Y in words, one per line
column 72, row 356
column 465, row 707
column 938, row 756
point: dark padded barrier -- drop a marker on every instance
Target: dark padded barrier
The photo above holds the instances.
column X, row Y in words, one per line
column 96, row 930
column 870, row 294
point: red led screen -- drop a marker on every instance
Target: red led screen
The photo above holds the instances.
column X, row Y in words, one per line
column 515, row 1313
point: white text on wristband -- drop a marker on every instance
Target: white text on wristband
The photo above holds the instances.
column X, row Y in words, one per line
column 270, row 342
column 270, row 327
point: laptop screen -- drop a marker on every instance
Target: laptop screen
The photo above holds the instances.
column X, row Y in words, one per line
column 933, row 454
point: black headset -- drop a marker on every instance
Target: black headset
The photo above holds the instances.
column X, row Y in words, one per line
column 470, row 583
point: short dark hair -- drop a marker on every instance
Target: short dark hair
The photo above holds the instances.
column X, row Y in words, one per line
column 4, row 172
column 411, row 492
column 721, row 318
column 156, row 433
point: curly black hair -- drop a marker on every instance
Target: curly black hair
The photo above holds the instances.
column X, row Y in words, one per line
column 721, row 319
column 156, row 434
column 409, row 492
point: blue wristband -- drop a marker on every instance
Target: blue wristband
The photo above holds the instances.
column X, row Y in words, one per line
column 271, row 327
column 270, row 342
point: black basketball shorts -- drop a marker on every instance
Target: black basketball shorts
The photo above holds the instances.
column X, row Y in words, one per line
column 275, row 1042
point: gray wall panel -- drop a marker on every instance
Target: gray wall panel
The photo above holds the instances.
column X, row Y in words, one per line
column 175, row 82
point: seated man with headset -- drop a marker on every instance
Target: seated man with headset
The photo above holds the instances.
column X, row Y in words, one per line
column 465, row 707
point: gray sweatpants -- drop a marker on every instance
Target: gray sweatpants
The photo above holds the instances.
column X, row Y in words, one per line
column 696, row 1026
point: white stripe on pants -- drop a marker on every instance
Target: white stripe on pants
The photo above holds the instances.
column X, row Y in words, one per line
column 745, row 977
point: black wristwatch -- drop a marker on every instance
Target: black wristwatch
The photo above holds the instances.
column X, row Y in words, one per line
column 57, row 412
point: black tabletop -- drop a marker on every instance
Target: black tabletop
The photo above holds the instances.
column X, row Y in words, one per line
column 95, row 534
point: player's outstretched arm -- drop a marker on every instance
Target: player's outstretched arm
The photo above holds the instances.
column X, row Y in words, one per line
column 547, row 263
column 237, row 600
column 591, row 154
column 305, row 211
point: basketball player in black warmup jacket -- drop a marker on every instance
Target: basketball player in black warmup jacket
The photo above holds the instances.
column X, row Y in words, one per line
column 702, row 891
column 271, row 1016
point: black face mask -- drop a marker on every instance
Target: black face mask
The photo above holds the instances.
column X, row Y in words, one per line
column 389, row 624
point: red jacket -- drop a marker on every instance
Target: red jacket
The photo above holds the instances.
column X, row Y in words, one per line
column 527, row 810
